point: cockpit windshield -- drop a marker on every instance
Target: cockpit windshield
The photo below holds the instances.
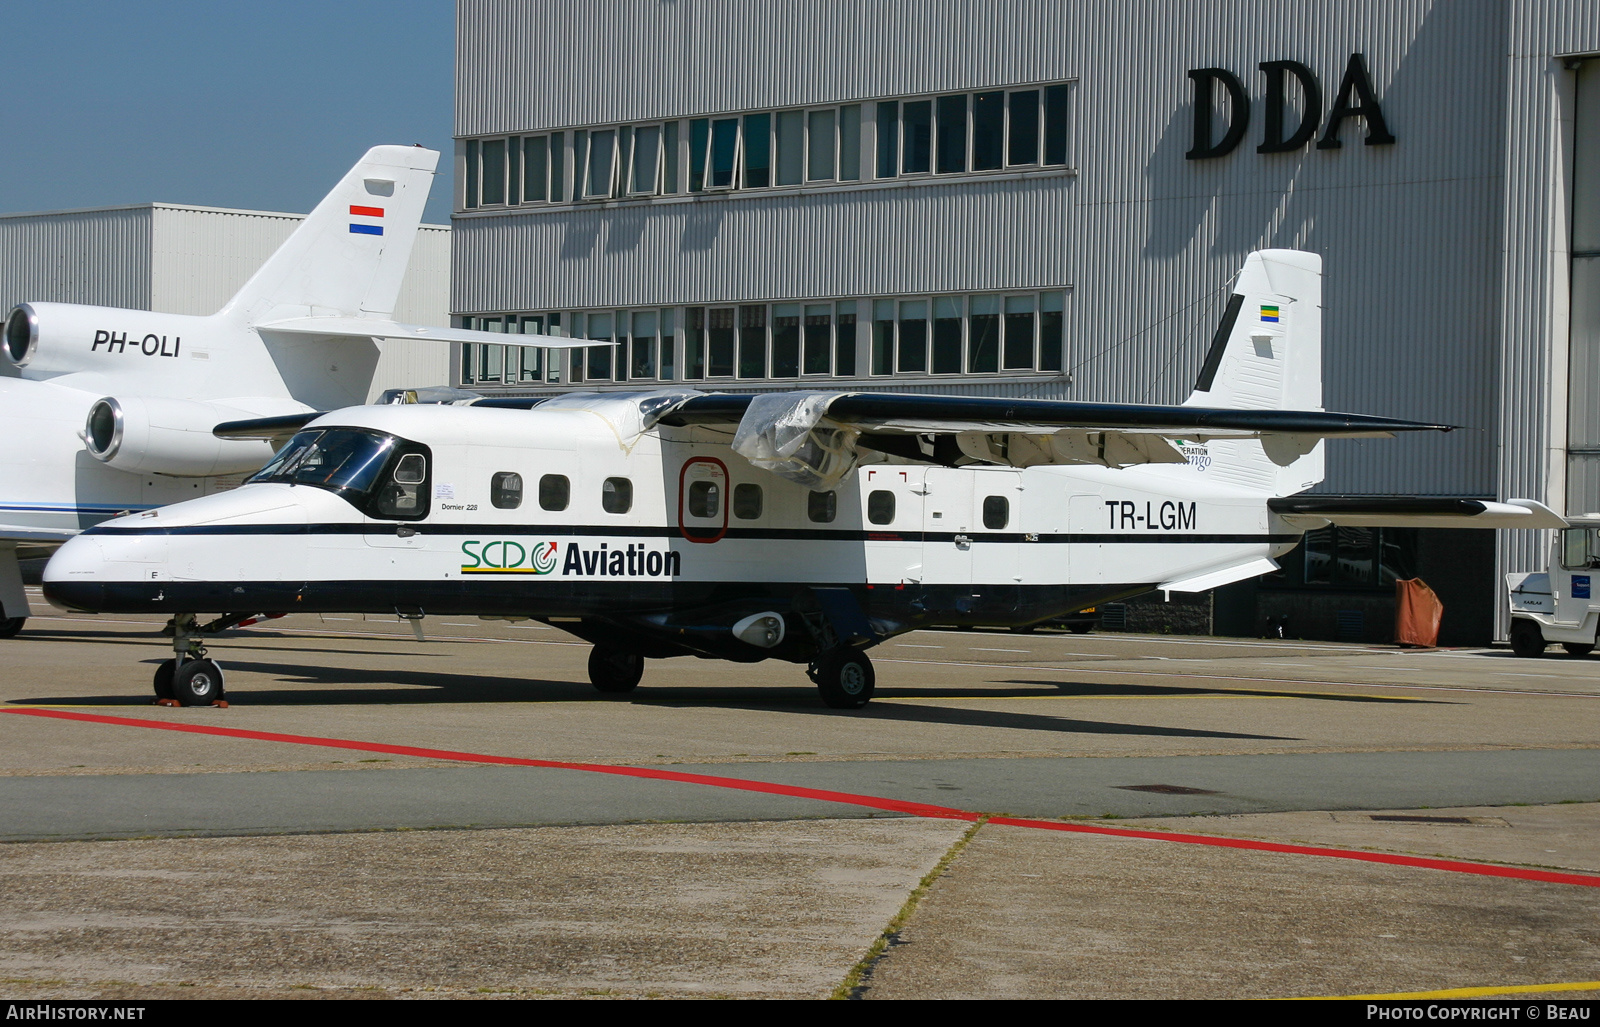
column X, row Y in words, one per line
column 338, row 459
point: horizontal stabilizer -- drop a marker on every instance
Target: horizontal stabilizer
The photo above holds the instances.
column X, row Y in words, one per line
column 1310, row 512
column 373, row 328
column 265, row 427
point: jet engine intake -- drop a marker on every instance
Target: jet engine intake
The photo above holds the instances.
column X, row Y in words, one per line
column 169, row 436
column 22, row 335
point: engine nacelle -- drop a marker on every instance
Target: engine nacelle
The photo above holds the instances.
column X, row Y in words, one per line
column 170, row 436
column 61, row 338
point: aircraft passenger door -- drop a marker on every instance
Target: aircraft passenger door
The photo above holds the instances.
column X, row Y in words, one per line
column 997, row 551
column 891, row 514
column 947, row 525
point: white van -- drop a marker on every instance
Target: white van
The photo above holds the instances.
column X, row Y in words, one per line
column 1561, row 604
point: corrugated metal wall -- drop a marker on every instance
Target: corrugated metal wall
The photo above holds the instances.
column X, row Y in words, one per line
column 100, row 257
column 1534, row 354
column 1148, row 240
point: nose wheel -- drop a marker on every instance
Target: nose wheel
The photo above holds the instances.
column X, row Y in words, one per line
column 190, row 678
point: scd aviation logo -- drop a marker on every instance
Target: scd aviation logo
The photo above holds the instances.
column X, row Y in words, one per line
column 504, row 556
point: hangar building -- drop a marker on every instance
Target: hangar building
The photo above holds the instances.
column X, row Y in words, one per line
column 1041, row 198
column 190, row 260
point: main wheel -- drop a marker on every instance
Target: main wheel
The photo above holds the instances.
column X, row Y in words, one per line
column 163, row 680
column 197, row 683
column 846, row 680
column 614, row 670
column 1080, row 628
column 9, row 626
column 1578, row 648
column 1526, row 638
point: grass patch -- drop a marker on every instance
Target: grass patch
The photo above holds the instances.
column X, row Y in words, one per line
column 856, row 981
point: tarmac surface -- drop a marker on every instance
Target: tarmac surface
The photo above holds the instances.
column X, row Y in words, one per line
column 344, row 828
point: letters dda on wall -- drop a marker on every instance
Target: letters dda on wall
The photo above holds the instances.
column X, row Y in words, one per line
column 1355, row 98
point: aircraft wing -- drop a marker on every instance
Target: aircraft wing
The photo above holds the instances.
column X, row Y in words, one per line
column 905, row 414
column 34, row 536
column 373, row 328
column 811, row 437
column 1311, row 512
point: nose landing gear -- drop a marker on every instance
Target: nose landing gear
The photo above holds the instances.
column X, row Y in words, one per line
column 190, row 678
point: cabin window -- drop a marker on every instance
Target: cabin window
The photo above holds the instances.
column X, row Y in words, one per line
column 705, row 499
column 822, row 506
column 747, row 501
column 880, row 507
column 996, row 512
column 505, row 490
column 616, row 495
column 555, row 491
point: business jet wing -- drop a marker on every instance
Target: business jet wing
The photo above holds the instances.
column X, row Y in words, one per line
column 378, row 328
column 34, row 536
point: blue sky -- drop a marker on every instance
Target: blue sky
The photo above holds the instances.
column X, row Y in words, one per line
column 254, row 105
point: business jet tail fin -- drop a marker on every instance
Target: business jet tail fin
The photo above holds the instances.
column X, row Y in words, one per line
column 348, row 256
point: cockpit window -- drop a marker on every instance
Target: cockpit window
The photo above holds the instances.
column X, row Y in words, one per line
column 381, row 474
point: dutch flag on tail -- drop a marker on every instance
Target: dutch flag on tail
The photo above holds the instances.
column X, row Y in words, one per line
column 366, row 212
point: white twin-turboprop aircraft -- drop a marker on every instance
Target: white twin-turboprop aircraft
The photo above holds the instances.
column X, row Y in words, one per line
column 106, row 411
column 801, row 526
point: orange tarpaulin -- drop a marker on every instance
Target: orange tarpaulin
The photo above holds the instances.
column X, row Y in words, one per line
column 1416, row 613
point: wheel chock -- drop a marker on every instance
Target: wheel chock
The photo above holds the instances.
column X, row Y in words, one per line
column 165, row 702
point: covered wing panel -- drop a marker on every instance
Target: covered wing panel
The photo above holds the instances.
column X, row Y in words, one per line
column 917, row 415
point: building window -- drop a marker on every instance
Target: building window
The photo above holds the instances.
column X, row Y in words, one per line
column 990, row 333
column 956, row 133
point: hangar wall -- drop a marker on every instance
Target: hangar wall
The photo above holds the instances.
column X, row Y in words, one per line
column 1145, row 240
column 1447, row 252
column 191, row 260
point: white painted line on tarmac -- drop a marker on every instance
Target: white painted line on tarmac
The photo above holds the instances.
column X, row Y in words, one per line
column 1091, row 669
column 980, row 649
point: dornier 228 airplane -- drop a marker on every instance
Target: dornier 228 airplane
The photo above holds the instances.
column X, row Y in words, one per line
column 106, row 410
column 801, row 526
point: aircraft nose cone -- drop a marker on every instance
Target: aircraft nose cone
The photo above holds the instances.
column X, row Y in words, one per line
column 73, row 577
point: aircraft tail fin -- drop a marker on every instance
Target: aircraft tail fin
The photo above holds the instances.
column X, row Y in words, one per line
column 349, row 255
column 1267, row 355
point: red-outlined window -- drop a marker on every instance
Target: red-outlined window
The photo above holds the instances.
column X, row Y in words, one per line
column 703, row 499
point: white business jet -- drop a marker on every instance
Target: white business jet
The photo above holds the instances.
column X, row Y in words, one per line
column 106, row 411
column 801, row 526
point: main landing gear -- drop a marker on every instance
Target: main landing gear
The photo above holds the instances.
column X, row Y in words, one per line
column 844, row 677
column 190, row 678
column 614, row 671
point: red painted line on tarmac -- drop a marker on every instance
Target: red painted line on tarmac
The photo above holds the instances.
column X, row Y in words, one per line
column 915, row 809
